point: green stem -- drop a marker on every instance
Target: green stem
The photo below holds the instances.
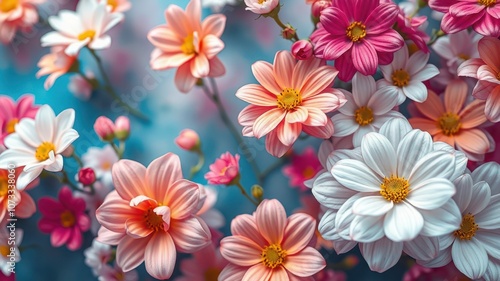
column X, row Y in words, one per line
column 199, row 165
column 109, row 88
column 117, row 149
column 77, row 159
column 243, row 191
column 277, row 19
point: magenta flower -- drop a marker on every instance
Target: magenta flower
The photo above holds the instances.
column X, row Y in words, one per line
column 13, row 112
column 482, row 15
column 303, row 167
column 65, row 219
column 357, row 34
column 225, row 170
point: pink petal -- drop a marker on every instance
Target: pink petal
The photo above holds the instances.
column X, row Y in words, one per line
column 212, row 45
column 298, row 233
column 232, row 273
column 389, row 42
column 182, row 199
column 216, row 67
column 26, row 207
column 214, row 24
column 328, row 101
column 75, row 240
column 364, row 14
column 473, row 140
column 245, row 225
column 160, row 256
column 165, row 38
column 461, row 9
column 257, row 95
column 190, row 235
column 488, row 48
column 317, row 81
column 129, row 178
column 492, row 108
column 271, row 220
column 109, row 237
column 305, row 263
column 473, row 115
column 162, row 173
column 263, row 72
column 184, row 80
column 451, row 24
column 483, row 89
column 427, row 125
column 298, row 115
column 240, row 251
column 455, row 95
column 334, row 21
column 130, row 252
column 114, row 212
column 316, row 117
column 288, row 132
column 433, row 107
column 284, row 64
column 268, row 122
column 176, row 19
column 137, row 228
column 250, row 113
column 258, row 272
column 487, row 25
column 274, row 146
column 322, row 132
column 60, row 236
column 200, row 66
column 336, row 47
column 345, row 67
column 364, row 58
column 381, row 18
column 469, row 67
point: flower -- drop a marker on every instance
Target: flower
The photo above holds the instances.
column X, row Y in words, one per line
column 481, row 15
column 366, row 109
column 225, row 170
column 86, row 176
column 65, row 219
column 13, row 112
column 486, row 69
column 269, row 246
column 94, row 201
column 104, row 128
column 318, row 6
column 118, row 6
column 97, row 256
column 17, row 14
column 405, row 75
column 413, row 28
column 115, row 273
column 55, row 64
column 122, row 128
column 302, row 49
column 455, row 121
column 292, row 97
column 188, row 140
column 85, row 27
column 151, row 215
column 261, row 7
column 188, row 44
column 38, row 144
column 303, row 167
column 358, row 35
column 80, row 86
column 217, row 5
column 101, row 160
column 457, row 48
column 24, row 205
column 9, row 252
column 205, row 264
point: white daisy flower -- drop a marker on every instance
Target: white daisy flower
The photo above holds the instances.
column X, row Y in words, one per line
column 97, row 256
column 101, row 160
column 366, row 109
column 405, row 75
column 85, row 27
column 37, row 144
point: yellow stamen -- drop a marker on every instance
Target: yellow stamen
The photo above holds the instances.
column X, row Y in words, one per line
column 67, row 219
column 86, row 34
column 449, row 123
column 289, row 99
column 4, row 250
column 188, row 46
column 468, row 228
column 363, row 116
column 212, row 274
column 43, row 151
column 463, row 56
column 487, row 3
column 273, row 256
column 308, row 172
column 400, row 78
column 113, row 4
column 8, row 5
column 4, row 185
column 106, row 166
column 394, row 189
column 412, row 48
column 261, row 1
column 356, row 31
column 153, row 220
column 10, row 127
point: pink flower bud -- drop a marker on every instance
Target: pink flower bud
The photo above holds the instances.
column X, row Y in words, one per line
column 188, row 140
column 302, row 50
column 122, row 128
column 86, row 176
column 288, row 32
column 319, row 6
column 104, row 128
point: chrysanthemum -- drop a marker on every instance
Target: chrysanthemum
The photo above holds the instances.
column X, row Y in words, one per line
column 85, row 27
column 151, row 215
column 55, row 64
column 269, row 246
column 37, row 144
column 13, row 112
column 366, row 109
column 188, row 44
column 405, row 75
column 292, row 97
column 357, row 34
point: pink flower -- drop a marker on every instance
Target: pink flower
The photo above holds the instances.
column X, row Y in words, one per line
column 55, row 64
column 302, row 49
column 13, row 112
column 261, row 7
column 151, row 215
column 292, row 97
column 413, row 28
column 122, row 128
column 86, row 176
column 17, row 14
column 104, row 128
column 188, row 44
column 303, row 167
column 487, row 70
column 269, row 246
column 65, row 219
column 115, row 273
column 318, row 7
column 329, row 275
column 457, row 48
column 482, row 15
column 357, row 34
column 225, row 170
column 80, row 87
column 188, row 140
column 24, row 205
column 205, row 264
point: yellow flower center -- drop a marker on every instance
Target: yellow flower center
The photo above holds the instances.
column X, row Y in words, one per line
column 42, row 152
column 10, row 127
column 363, row 116
column 4, row 250
column 356, row 31
column 106, row 165
column 289, row 99
column 8, row 5
column 188, row 46
column 487, row 3
column 113, row 4
column 153, row 220
column 212, row 274
column 400, row 78
column 463, row 56
column 86, row 34
column 120, row 275
column 449, row 123
column 261, row 1
column 394, row 189
column 468, row 228
column 308, row 172
column 412, row 48
column 67, row 219
column 4, row 185
column 273, row 255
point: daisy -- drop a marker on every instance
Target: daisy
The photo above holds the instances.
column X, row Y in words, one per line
column 261, row 7
column 85, row 27
column 292, row 97
column 101, row 160
column 454, row 121
column 366, row 109
column 13, row 112
column 269, row 246
column 37, row 144
column 17, row 14
column 457, row 48
column 188, row 44
column 151, row 216
column 55, row 64
column 357, row 34
column 405, row 75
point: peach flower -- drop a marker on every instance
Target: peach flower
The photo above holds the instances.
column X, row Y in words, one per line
column 17, row 14
column 55, row 64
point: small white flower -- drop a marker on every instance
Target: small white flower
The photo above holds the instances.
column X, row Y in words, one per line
column 217, row 5
column 101, row 160
column 405, row 75
column 97, row 256
column 366, row 109
column 37, row 144
column 261, row 6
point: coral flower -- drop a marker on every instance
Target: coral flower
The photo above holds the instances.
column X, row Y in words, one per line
column 24, row 205
column 453, row 121
column 15, row 14
column 55, row 64
column 65, row 219
column 357, row 34
column 225, row 170
column 303, row 167
column 487, row 70
column 189, row 44
column 292, row 97
column 13, row 112
column 151, row 215
column 269, row 246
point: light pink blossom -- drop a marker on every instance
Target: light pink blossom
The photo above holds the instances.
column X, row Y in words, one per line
column 15, row 15
column 225, row 170
column 303, row 167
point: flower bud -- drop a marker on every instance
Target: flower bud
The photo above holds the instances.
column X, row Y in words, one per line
column 86, row 176
column 122, row 128
column 318, row 6
column 104, row 128
column 257, row 192
column 68, row 151
column 302, row 50
column 288, row 32
column 188, row 140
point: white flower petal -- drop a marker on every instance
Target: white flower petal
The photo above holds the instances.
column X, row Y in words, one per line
column 379, row 154
column 57, row 163
column 426, row 73
column 422, row 248
column 431, row 194
column 25, row 178
column 490, row 239
column 489, row 217
column 44, row 123
column 441, row 221
column 67, row 138
column 345, row 217
column 394, row 130
column 355, row 175
column 414, row 145
column 463, row 185
column 492, row 271
column 350, row 106
column 326, row 225
column 329, row 192
column 343, row 246
column 343, row 125
column 16, row 158
column 382, row 101
column 27, row 132
column 416, row 91
column 490, row 173
column 362, row 88
column 372, row 206
column 481, row 197
column 470, row 257
column 366, row 229
column 382, row 254
column 403, row 223
column 437, row 164
column 443, row 258
column 460, row 158
column 358, row 136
